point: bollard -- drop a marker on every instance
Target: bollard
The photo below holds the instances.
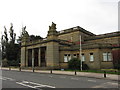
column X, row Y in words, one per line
column 33, row 70
column 104, row 74
column 9, row 68
column 19, row 68
column 75, row 72
column 51, row 71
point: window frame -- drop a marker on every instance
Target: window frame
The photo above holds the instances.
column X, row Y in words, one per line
column 91, row 55
column 67, row 57
column 83, row 55
column 108, row 57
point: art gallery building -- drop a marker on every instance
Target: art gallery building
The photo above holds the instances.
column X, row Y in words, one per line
column 54, row 51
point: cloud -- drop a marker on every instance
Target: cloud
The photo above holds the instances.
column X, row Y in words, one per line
column 97, row 16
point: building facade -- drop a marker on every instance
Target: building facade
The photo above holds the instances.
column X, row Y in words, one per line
column 54, row 51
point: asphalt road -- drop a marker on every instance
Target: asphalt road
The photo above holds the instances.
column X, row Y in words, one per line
column 16, row 79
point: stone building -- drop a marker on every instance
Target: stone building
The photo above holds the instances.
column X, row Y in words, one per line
column 54, row 51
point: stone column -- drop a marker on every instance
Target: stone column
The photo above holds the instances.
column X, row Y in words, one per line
column 39, row 57
column 33, row 57
column 23, row 56
column 26, row 57
column 53, row 54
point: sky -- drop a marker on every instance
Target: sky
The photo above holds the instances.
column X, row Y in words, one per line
column 96, row 16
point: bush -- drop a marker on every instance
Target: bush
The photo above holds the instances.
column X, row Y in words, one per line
column 13, row 63
column 85, row 66
column 5, row 63
column 117, row 66
column 75, row 63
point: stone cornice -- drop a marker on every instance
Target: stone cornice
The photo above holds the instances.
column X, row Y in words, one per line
column 74, row 29
column 87, row 46
column 62, row 42
column 114, row 34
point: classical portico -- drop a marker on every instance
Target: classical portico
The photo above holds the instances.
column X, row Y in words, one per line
column 36, row 57
column 44, row 53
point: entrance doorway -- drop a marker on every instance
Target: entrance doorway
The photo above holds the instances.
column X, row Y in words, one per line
column 29, row 57
column 43, row 58
column 36, row 50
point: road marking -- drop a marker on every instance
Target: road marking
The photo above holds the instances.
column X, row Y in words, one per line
column 106, row 84
column 75, row 78
column 50, row 76
column 6, row 78
column 9, row 79
column 2, row 78
column 25, row 82
column 25, row 85
column 92, row 80
column 33, row 85
column 112, row 83
column 42, row 85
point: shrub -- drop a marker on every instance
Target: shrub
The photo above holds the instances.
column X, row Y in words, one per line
column 13, row 63
column 75, row 63
column 85, row 66
column 117, row 66
column 5, row 63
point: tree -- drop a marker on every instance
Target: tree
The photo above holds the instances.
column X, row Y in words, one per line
column 33, row 37
column 6, row 36
column 75, row 63
column 4, row 42
column 12, row 35
column 10, row 50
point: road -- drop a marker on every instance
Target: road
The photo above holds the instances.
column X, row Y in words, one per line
column 16, row 79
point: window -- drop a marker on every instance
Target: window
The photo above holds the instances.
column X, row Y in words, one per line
column 91, row 57
column 67, row 57
column 78, row 56
column 83, row 57
column 75, row 56
column 107, row 56
column 104, row 56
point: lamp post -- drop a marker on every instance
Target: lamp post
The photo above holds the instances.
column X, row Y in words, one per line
column 80, row 54
column 1, row 50
column 0, row 55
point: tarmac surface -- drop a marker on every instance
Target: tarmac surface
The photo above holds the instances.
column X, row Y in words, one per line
column 44, row 79
column 85, row 74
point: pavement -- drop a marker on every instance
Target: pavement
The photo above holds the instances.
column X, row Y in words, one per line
column 80, row 74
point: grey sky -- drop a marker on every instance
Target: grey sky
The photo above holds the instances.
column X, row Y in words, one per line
column 96, row 16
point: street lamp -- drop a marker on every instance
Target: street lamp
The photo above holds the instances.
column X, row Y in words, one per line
column 0, row 55
column 80, row 54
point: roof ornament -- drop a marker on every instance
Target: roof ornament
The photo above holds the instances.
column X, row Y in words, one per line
column 24, row 32
column 52, row 27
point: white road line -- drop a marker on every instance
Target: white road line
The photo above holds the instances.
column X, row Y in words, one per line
column 25, row 83
column 92, row 80
column 75, row 78
column 9, row 79
column 42, row 85
column 112, row 83
column 6, row 78
column 106, row 84
column 2, row 78
column 51, row 76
